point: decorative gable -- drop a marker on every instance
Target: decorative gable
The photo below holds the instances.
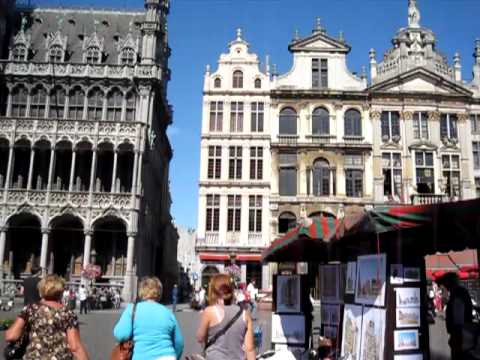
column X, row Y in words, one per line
column 93, row 41
column 319, row 41
column 56, row 39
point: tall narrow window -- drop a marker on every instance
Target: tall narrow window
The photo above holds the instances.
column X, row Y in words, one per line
column 38, row 102
column 127, row 57
column 237, row 79
column 235, row 162
column 353, row 123
column 390, row 121
column 287, row 174
column 216, row 116
column 475, row 123
column 213, row 213
column 448, row 126
column 217, row 83
column 214, row 170
column 288, row 122
column 476, row 155
column 353, row 175
column 420, row 125
column 95, row 105
column 55, row 54
column 93, row 55
column 319, row 73
column 114, row 105
column 256, row 163
column 258, row 83
column 236, row 116
column 57, row 103
column 321, row 177
column 320, row 122
column 257, row 116
column 424, row 172
column 19, row 102
column 234, row 212
column 315, row 73
column 130, row 106
column 451, row 174
column 76, row 104
column 255, row 213
column 392, row 176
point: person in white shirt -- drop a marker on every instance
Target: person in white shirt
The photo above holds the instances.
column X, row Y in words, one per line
column 253, row 292
column 83, row 295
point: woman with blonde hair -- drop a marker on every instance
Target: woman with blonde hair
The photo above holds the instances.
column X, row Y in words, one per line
column 226, row 330
column 155, row 333
column 53, row 331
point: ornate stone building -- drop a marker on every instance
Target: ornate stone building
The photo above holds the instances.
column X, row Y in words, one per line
column 338, row 142
column 84, row 154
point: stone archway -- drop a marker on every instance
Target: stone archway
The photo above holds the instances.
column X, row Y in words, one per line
column 109, row 246
column 24, row 243
column 66, row 246
column 207, row 272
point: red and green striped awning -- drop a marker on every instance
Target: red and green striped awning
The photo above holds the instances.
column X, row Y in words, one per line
column 302, row 243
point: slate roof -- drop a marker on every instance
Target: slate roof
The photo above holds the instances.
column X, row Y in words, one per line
column 77, row 25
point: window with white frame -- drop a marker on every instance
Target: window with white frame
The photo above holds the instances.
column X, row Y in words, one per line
column 57, row 103
column 451, row 174
column 214, row 170
column 93, row 55
column 287, row 174
column 130, row 106
column 237, row 79
column 255, row 213
column 216, row 116
column 76, row 104
column 19, row 53
column 420, row 125
column 476, row 154
column 321, row 177
column 448, row 126
column 256, row 163
column 425, row 172
column 235, row 162
column 475, row 123
column 95, row 104
column 55, row 54
column 236, row 116
column 353, row 164
column 234, row 213
column 353, row 123
column 114, row 105
column 213, row 213
column 38, row 102
column 320, row 121
column 257, row 116
column 287, row 122
column 392, row 175
column 217, row 83
column 319, row 73
column 19, row 102
column 258, row 83
column 390, row 123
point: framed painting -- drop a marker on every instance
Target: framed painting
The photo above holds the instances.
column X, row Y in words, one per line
column 288, row 294
column 371, row 280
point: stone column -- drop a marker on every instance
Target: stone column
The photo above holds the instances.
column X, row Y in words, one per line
column 128, row 286
column 50, row 169
column 9, row 173
column 30, row 168
column 137, row 187
column 92, row 170
column 3, row 241
column 44, row 251
column 72, row 171
column 134, row 170
column 87, row 246
column 114, row 171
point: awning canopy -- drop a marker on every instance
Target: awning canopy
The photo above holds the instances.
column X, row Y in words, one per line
column 302, row 243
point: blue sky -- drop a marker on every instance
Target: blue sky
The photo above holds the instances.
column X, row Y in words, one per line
column 200, row 30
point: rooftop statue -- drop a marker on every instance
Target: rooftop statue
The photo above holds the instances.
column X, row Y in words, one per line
column 413, row 14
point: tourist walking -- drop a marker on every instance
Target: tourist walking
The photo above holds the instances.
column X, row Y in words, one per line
column 174, row 297
column 155, row 333
column 253, row 294
column 30, row 287
column 83, row 296
column 53, row 330
column 225, row 329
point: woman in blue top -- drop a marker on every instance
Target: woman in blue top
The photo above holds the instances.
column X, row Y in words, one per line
column 156, row 333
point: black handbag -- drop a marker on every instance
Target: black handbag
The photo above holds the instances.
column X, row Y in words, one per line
column 16, row 349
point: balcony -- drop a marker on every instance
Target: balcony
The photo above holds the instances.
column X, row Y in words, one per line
column 233, row 238
column 320, row 139
column 429, row 199
column 255, row 239
column 211, row 238
column 353, row 139
column 287, row 139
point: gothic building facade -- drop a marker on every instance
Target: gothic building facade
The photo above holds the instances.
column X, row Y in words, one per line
column 332, row 142
column 84, row 154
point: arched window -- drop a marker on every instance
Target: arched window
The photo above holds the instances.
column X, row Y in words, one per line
column 288, row 122
column 92, row 55
column 76, row 103
column 95, row 104
column 19, row 53
column 258, row 83
column 237, row 79
column 353, row 123
column 55, row 54
column 321, row 177
column 57, row 103
column 114, row 105
column 19, row 102
column 130, row 106
column 286, row 221
column 128, row 56
column 38, row 102
column 217, row 83
column 320, row 122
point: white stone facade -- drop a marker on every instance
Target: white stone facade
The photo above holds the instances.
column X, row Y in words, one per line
column 337, row 141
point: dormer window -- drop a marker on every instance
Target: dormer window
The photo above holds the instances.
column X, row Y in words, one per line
column 19, row 53
column 92, row 55
column 217, row 83
column 237, row 79
column 258, row 83
column 127, row 57
column 55, row 54
column 319, row 73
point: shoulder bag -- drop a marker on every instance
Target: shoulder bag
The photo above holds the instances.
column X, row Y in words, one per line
column 124, row 350
column 215, row 337
column 17, row 349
